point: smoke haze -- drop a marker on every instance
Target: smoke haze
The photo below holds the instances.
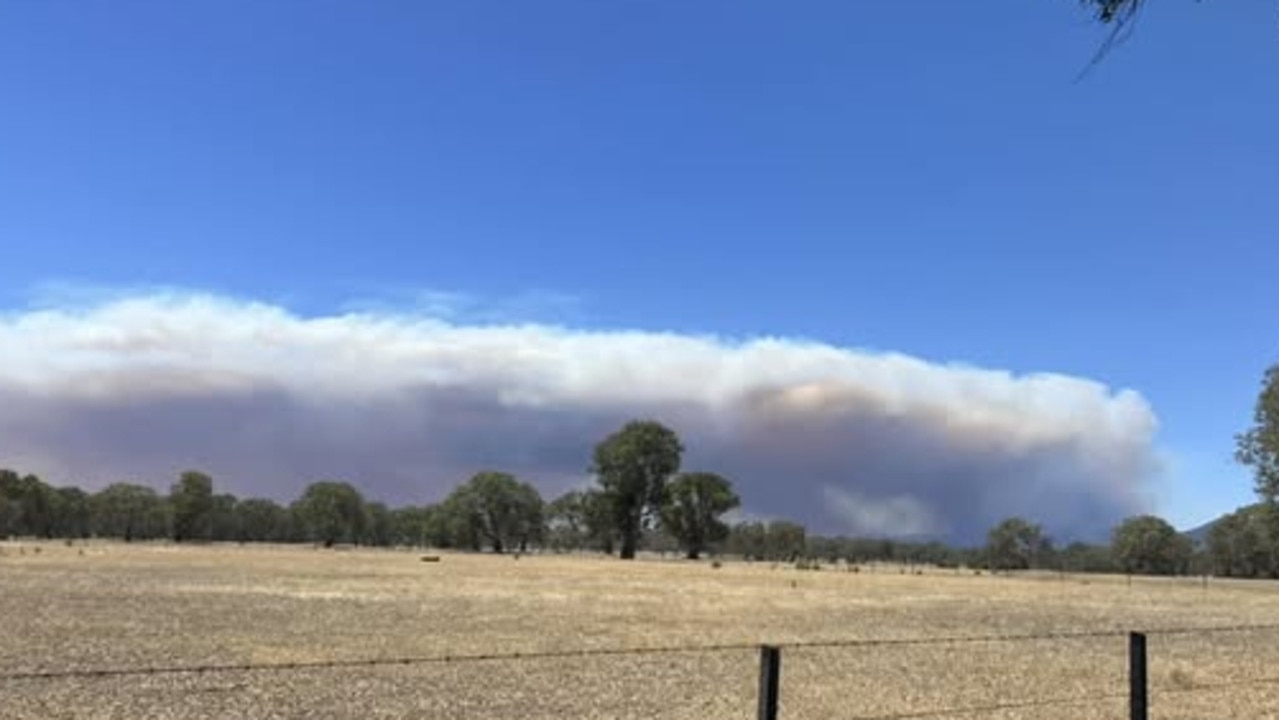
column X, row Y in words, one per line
column 404, row 406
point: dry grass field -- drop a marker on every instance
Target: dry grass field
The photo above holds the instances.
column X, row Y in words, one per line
column 117, row 606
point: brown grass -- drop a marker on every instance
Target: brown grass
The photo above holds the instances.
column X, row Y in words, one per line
column 111, row 605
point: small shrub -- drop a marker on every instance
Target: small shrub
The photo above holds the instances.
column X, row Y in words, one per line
column 431, row 558
column 716, row 564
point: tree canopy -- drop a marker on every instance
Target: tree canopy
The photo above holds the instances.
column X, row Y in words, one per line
column 1258, row 446
column 1013, row 544
column 1148, row 545
column 131, row 512
column 191, row 500
column 633, row 466
column 331, row 512
column 692, row 512
column 495, row 508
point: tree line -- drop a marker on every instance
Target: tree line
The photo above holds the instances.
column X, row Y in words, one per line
column 640, row 500
column 494, row 511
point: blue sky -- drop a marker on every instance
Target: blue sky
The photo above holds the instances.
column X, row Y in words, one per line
column 926, row 178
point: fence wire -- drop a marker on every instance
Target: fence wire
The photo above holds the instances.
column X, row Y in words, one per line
column 895, row 678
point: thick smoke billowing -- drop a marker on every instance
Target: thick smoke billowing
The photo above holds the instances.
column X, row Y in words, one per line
column 267, row 401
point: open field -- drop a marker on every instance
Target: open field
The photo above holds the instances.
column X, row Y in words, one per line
column 118, row 606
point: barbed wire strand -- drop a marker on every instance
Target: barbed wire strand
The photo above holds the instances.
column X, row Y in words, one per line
column 1220, row 685
column 1211, row 629
column 89, row 673
column 371, row 662
column 1021, row 637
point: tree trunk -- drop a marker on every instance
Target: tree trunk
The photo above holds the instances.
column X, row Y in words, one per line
column 629, row 530
column 694, row 554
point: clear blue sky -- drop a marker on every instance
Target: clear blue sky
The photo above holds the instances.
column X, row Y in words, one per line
column 921, row 177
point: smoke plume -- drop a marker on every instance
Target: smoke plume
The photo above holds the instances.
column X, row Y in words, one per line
column 142, row 387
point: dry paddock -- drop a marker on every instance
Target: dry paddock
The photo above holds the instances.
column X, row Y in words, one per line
column 110, row 606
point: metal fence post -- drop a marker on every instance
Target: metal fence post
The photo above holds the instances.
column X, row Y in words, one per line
column 1138, row 699
column 770, row 671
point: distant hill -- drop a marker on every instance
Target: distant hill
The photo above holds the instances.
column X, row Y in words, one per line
column 1200, row 534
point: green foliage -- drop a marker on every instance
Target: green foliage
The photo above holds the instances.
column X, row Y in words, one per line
column 453, row 524
column 408, row 526
column 566, row 522
column 261, row 520
column 748, row 540
column 777, row 540
column 1013, row 544
column 695, row 502
column 1087, row 558
column 494, row 508
column 1243, row 543
column 131, row 512
column 1148, row 545
column 331, row 512
column 26, row 506
column 224, row 523
column 378, row 528
column 438, row 527
column 1258, row 447
column 8, row 509
column 73, row 516
column 597, row 512
column 580, row 520
column 191, row 500
column 787, row 539
column 633, row 466
column 862, row 550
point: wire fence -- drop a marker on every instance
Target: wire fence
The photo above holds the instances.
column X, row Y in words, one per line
column 1194, row 672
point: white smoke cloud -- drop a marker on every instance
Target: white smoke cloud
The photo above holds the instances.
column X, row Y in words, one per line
column 406, row 405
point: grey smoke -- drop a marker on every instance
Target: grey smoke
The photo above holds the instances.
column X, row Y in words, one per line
column 143, row 387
